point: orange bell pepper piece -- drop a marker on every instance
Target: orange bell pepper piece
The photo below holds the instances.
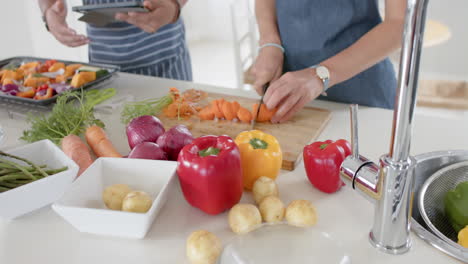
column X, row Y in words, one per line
column 27, row 94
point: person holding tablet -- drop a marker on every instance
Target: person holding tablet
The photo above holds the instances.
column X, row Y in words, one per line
column 333, row 47
column 149, row 43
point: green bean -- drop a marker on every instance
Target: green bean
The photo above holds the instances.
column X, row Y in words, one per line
column 8, row 171
column 25, row 160
column 9, row 185
column 3, row 189
column 20, row 168
column 14, row 176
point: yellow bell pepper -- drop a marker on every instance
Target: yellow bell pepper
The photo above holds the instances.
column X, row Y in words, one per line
column 463, row 237
column 260, row 156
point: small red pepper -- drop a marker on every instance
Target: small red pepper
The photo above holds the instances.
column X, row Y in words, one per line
column 49, row 93
column 210, row 173
column 42, row 87
column 27, row 94
column 322, row 161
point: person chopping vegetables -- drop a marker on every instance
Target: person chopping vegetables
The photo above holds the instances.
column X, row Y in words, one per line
column 151, row 43
column 331, row 47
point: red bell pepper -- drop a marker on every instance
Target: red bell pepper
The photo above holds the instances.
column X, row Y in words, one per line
column 322, row 161
column 44, row 93
column 210, row 173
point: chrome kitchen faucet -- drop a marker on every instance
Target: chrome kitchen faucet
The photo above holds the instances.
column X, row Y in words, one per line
column 390, row 184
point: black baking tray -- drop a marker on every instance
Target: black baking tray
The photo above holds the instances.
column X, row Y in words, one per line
column 112, row 69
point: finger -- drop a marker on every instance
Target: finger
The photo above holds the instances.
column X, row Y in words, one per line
column 277, row 74
column 69, row 39
column 296, row 108
column 121, row 16
column 261, row 78
column 286, row 106
column 149, row 5
column 150, row 22
column 277, row 92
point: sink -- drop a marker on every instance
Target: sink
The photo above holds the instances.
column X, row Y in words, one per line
column 427, row 164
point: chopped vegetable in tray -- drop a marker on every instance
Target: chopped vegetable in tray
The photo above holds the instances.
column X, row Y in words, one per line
column 42, row 80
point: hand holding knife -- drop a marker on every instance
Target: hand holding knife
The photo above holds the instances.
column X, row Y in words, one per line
column 254, row 121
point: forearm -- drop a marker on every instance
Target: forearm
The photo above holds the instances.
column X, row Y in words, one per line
column 183, row 2
column 265, row 12
column 45, row 4
column 370, row 49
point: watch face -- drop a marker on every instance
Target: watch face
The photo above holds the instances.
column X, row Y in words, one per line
column 323, row 72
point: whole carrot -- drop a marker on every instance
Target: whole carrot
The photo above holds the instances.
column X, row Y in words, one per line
column 76, row 149
column 100, row 143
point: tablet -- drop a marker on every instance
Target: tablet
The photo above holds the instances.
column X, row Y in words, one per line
column 103, row 14
column 121, row 6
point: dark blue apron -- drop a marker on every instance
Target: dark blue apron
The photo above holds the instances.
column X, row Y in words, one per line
column 314, row 30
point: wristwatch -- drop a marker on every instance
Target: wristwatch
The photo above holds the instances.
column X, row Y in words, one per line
column 323, row 74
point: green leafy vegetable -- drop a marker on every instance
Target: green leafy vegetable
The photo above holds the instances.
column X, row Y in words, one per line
column 145, row 107
column 68, row 116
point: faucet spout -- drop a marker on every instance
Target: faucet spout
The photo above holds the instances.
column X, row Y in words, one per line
column 390, row 185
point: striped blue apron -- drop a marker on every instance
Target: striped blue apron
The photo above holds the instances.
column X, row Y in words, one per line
column 163, row 54
column 314, row 30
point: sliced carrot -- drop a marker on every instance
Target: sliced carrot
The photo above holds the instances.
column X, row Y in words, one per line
column 218, row 112
column 171, row 110
column 228, row 111
column 100, row 143
column 244, row 115
column 264, row 115
column 206, row 113
column 76, row 149
column 236, row 106
column 186, row 110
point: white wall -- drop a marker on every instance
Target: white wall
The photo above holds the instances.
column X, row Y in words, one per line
column 449, row 60
column 16, row 36
column 29, row 36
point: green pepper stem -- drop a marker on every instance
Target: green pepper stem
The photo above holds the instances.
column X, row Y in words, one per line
column 323, row 146
column 211, row 151
column 257, row 143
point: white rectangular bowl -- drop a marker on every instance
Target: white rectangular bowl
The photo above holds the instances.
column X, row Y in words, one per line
column 82, row 206
column 40, row 193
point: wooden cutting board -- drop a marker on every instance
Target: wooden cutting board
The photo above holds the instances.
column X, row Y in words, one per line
column 292, row 135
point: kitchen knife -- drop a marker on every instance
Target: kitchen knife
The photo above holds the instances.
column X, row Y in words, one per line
column 254, row 121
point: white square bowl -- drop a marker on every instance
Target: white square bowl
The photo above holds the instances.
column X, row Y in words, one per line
column 82, row 206
column 40, row 193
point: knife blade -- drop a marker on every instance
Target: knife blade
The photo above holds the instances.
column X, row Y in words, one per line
column 254, row 121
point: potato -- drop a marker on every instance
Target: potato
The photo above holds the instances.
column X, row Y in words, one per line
column 272, row 209
column 137, row 202
column 301, row 213
column 203, row 247
column 113, row 195
column 264, row 187
column 244, row 218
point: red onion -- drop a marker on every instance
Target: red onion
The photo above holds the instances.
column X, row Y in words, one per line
column 174, row 140
column 147, row 150
column 10, row 87
column 144, row 129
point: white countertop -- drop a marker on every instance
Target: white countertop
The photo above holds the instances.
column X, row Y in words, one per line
column 44, row 237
